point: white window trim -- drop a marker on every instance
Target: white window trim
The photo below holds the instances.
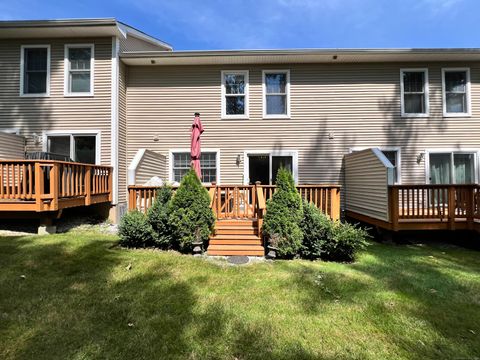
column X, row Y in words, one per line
column 426, row 93
column 398, row 149
column 452, row 151
column 270, row 153
column 22, row 70
column 264, row 94
column 444, row 95
column 72, row 133
column 66, row 66
column 245, row 116
column 187, row 150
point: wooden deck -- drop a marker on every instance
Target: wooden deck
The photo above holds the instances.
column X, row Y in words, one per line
column 41, row 186
column 239, row 212
column 429, row 207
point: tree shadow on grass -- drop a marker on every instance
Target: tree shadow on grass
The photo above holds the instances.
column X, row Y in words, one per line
column 405, row 289
column 84, row 301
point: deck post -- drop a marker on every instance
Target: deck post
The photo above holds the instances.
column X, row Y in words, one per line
column 393, row 202
column 110, row 184
column 451, row 207
column 88, row 185
column 470, row 207
column 39, row 186
column 132, row 199
column 54, row 185
column 335, row 205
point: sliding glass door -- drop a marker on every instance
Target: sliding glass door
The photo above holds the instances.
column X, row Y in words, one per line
column 264, row 167
column 452, row 168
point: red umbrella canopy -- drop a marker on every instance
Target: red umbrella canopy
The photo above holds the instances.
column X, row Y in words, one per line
column 195, row 146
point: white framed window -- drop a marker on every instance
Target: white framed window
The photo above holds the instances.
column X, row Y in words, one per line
column 209, row 165
column 276, row 93
column 456, row 92
column 394, row 155
column 447, row 166
column 235, row 94
column 78, row 145
column 263, row 165
column 79, row 70
column 414, row 92
column 35, row 70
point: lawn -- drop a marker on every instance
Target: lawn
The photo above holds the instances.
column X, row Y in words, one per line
column 78, row 296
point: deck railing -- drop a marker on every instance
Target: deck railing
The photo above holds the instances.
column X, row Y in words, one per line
column 245, row 201
column 442, row 203
column 51, row 185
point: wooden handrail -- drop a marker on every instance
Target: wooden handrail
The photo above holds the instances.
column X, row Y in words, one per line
column 245, row 201
column 447, row 203
column 48, row 182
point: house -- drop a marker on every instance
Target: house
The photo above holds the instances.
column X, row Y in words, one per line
column 100, row 91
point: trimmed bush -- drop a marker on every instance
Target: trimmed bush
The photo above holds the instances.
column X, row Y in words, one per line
column 135, row 230
column 158, row 217
column 283, row 216
column 191, row 217
column 316, row 228
column 344, row 242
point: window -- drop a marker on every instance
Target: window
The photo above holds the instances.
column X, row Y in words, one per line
column 79, row 70
column 35, row 70
column 78, row 147
column 414, row 92
column 452, row 167
column 456, row 92
column 208, row 166
column 276, row 92
column 263, row 166
column 394, row 157
column 235, row 94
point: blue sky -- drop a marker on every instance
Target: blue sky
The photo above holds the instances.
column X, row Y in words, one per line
column 267, row 24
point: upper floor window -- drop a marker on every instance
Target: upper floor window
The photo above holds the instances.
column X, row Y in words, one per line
column 235, row 94
column 35, row 70
column 414, row 92
column 456, row 92
column 276, row 93
column 79, row 69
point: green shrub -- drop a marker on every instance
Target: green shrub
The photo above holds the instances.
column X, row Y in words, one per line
column 158, row 217
column 344, row 242
column 283, row 216
column 134, row 230
column 191, row 217
column 316, row 228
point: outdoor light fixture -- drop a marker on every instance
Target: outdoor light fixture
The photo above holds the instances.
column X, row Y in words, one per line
column 420, row 157
column 237, row 161
column 331, row 136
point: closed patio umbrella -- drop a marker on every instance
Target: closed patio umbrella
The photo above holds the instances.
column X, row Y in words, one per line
column 195, row 147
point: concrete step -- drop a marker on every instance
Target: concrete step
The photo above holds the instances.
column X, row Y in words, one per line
column 233, row 250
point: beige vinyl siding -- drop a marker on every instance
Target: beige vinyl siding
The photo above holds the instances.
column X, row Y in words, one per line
column 36, row 115
column 333, row 107
column 151, row 164
column 11, row 146
column 131, row 43
column 366, row 183
column 122, row 133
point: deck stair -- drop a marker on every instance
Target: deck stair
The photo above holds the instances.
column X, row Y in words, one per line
column 236, row 237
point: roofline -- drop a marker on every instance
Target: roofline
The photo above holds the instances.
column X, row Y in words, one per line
column 313, row 51
column 144, row 36
column 122, row 27
column 57, row 23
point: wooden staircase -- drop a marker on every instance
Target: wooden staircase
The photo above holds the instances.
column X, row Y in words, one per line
column 236, row 237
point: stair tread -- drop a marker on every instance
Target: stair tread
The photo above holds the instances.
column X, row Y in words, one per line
column 235, row 247
column 236, row 236
column 235, row 242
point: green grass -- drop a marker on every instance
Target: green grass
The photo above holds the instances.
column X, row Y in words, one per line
column 78, row 298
